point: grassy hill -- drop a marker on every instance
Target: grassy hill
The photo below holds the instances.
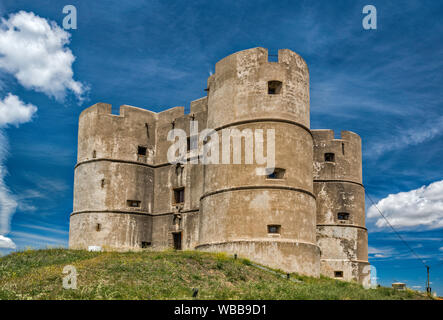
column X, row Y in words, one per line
column 37, row 274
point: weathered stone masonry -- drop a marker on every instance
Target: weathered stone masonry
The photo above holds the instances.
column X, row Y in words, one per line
column 309, row 218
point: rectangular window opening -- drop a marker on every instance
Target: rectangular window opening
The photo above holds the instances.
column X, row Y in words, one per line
column 278, row 173
column 179, row 195
column 329, row 157
column 141, row 150
column 338, row 274
column 274, row 87
column 133, row 203
column 274, row 228
column 98, row 227
column 344, row 216
column 146, row 244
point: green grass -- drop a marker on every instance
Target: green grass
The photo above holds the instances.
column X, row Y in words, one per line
column 37, row 274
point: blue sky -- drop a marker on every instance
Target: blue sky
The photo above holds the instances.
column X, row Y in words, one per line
column 384, row 84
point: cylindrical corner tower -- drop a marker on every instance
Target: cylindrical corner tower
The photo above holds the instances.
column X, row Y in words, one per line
column 113, row 179
column 267, row 218
column 341, row 232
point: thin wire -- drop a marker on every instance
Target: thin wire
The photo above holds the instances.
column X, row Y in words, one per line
column 401, row 238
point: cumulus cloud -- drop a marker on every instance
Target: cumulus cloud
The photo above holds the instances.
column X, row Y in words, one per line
column 422, row 207
column 6, row 243
column 14, row 111
column 34, row 51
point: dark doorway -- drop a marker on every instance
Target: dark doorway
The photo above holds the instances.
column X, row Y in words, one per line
column 177, row 240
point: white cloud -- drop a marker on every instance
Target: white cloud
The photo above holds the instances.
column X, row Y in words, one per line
column 8, row 203
column 381, row 252
column 422, row 207
column 406, row 138
column 38, row 239
column 43, row 228
column 6, row 243
column 14, row 111
column 34, row 50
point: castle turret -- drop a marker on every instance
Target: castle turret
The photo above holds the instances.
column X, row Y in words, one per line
column 269, row 218
column 341, row 232
column 114, row 178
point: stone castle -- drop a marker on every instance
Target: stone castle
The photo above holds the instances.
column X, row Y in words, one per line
column 307, row 216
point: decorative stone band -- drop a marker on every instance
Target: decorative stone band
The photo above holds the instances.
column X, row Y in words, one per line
column 142, row 213
column 346, row 260
column 123, row 161
column 263, row 187
column 342, row 225
column 341, row 181
column 237, row 123
column 264, row 240
column 189, row 158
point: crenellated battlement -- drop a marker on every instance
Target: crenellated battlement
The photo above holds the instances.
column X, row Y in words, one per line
column 324, row 135
column 127, row 111
column 246, row 63
column 337, row 159
column 118, row 136
column 246, row 86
